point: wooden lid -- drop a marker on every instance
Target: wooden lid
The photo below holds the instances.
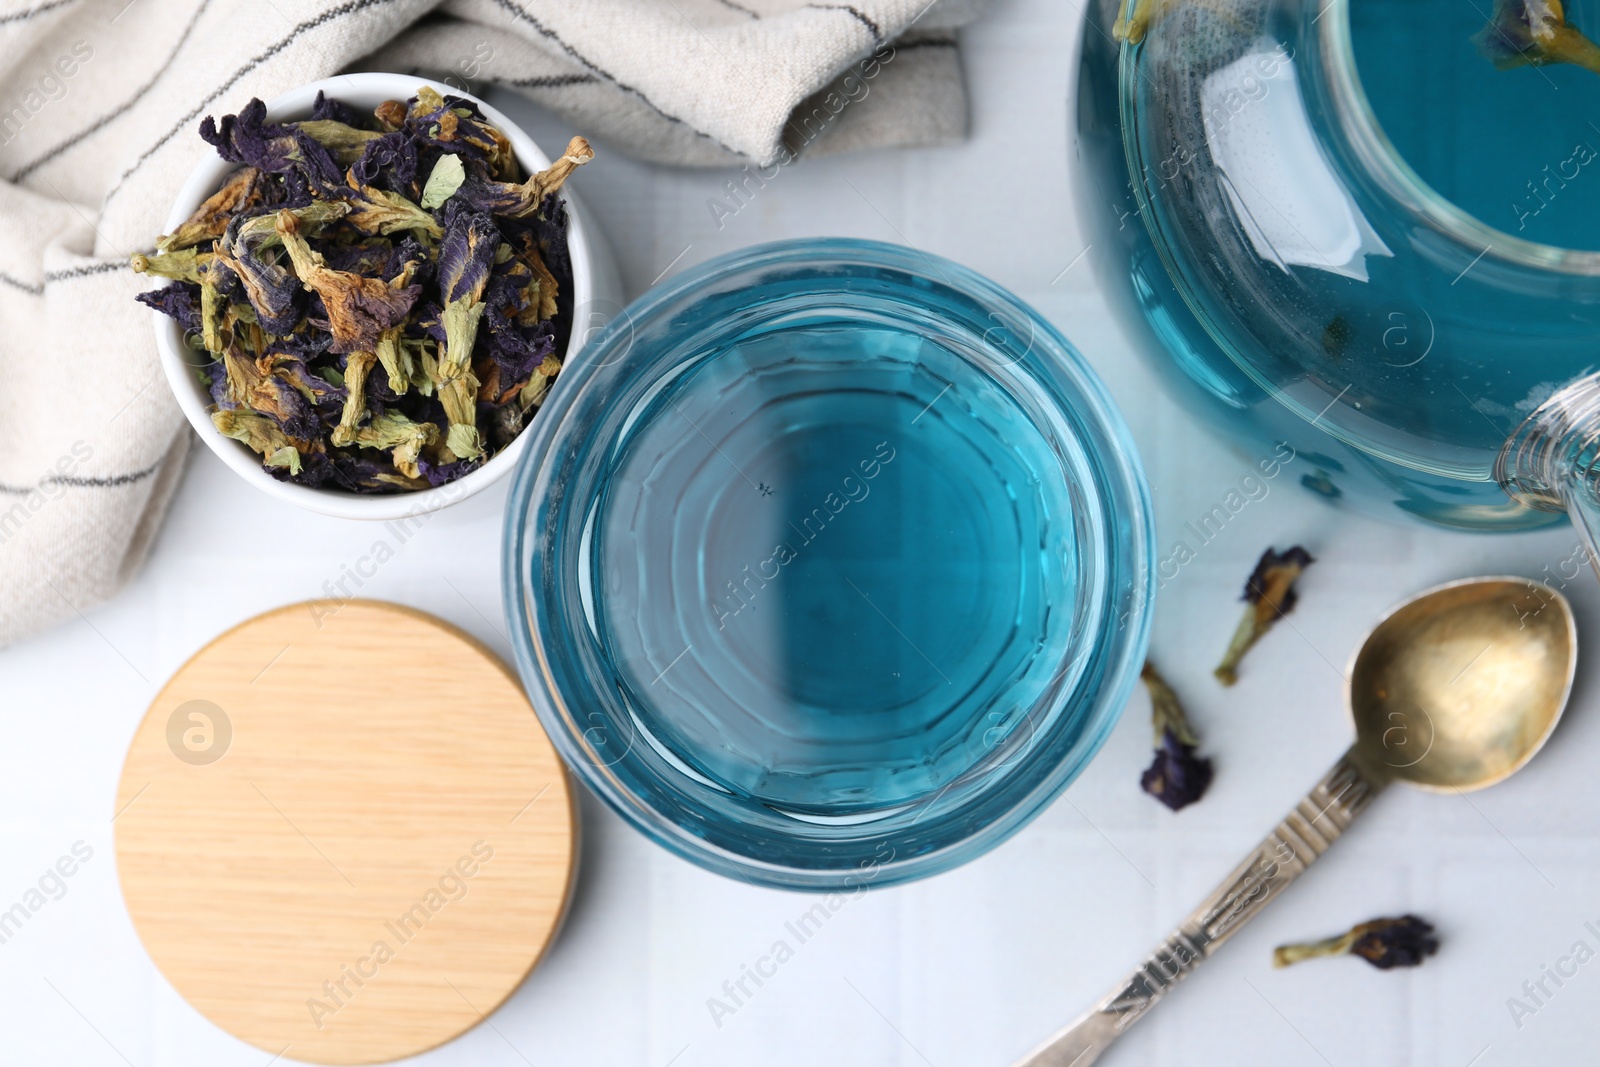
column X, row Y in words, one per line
column 342, row 834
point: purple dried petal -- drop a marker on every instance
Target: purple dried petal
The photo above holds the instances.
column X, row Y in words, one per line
column 217, row 386
column 1402, row 942
column 325, row 396
column 427, row 320
column 180, row 301
column 410, row 251
column 388, row 162
column 1271, row 568
column 326, row 107
column 1177, row 777
column 315, row 470
column 370, row 258
column 516, row 352
column 469, row 136
column 303, row 344
column 275, row 148
column 467, row 252
column 440, row 473
column 274, row 293
column 380, row 396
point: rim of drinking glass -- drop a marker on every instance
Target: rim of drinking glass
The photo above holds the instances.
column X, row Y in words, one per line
column 1123, row 549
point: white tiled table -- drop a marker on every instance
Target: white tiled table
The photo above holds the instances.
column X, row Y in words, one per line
column 965, row 970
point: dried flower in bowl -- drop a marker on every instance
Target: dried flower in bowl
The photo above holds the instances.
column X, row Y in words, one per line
column 377, row 301
column 1270, row 594
column 1177, row 777
column 1384, row 943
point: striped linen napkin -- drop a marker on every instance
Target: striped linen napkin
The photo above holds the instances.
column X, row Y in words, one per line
column 99, row 100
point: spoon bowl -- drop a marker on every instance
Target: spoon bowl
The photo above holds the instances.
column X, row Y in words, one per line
column 1458, row 687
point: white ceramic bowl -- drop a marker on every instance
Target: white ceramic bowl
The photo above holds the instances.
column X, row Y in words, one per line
column 596, row 293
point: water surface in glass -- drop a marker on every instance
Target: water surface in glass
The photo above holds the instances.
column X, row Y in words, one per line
column 833, row 563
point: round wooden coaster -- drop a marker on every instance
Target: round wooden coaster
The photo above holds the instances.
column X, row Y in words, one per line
column 342, row 834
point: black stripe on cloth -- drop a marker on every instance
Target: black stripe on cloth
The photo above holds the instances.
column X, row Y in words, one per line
column 22, row 16
column 111, row 116
column 111, row 481
column 907, row 46
column 739, row 7
column 85, row 271
column 334, row 14
column 16, row 283
column 553, row 81
column 517, row 11
column 860, row 16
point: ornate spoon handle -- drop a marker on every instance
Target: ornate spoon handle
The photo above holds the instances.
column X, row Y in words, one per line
column 1306, row 833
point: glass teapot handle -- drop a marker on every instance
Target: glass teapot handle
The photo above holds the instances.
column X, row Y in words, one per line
column 1552, row 461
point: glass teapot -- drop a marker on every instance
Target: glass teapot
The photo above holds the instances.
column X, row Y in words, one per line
column 1370, row 230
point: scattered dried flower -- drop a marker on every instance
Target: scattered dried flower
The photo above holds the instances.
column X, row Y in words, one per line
column 1384, row 943
column 1177, row 777
column 1270, row 594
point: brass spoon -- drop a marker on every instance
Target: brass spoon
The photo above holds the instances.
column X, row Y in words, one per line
column 1453, row 690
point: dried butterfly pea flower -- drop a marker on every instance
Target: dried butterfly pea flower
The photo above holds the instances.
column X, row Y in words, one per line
column 326, row 396
column 402, row 438
column 512, row 300
column 328, row 107
column 356, row 366
column 516, row 356
column 214, row 306
column 180, row 302
column 409, row 255
column 359, row 308
column 186, row 265
column 262, row 434
column 277, row 148
column 273, row 293
column 1270, row 594
column 528, row 287
column 345, row 143
column 547, row 288
column 1384, row 943
column 248, row 249
column 389, row 162
column 451, row 125
column 391, row 114
column 360, row 257
column 378, row 211
column 368, row 329
column 1177, row 777
column 1534, row 33
column 370, row 473
column 243, row 191
column 518, row 200
column 465, row 258
column 393, row 357
column 250, row 382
